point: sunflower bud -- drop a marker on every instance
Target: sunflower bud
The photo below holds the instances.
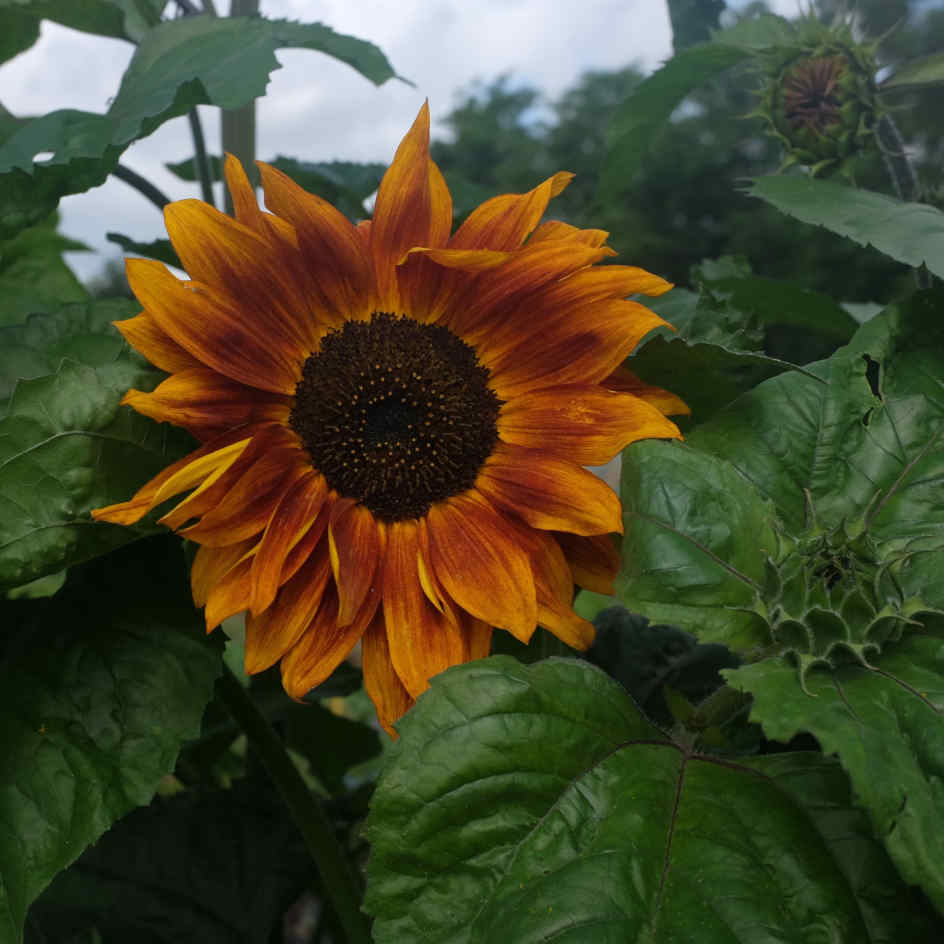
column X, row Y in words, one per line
column 832, row 596
column 820, row 98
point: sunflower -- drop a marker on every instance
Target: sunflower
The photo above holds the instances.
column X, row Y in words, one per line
column 393, row 420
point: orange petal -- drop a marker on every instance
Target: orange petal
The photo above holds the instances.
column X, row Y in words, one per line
column 422, row 640
column 218, row 331
column 625, row 381
column 504, row 222
column 585, row 424
column 338, row 269
column 479, row 564
column 291, row 521
column 594, row 561
column 246, row 508
column 548, row 492
column 324, row 645
column 413, row 208
column 355, row 539
column 174, row 479
column 210, row 565
column 245, row 205
column 555, row 229
column 145, row 335
column 382, row 683
column 230, row 594
column 270, row 634
column 206, row 403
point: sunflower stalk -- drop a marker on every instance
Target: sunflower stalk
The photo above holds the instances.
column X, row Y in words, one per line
column 200, row 156
column 144, row 186
column 338, row 876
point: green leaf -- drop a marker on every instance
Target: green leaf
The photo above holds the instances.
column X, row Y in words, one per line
column 535, row 803
column 33, row 275
column 18, row 31
column 179, row 64
column 642, row 116
column 928, row 70
column 214, row 866
column 912, row 233
column 693, row 551
column 122, row 19
column 887, row 727
column 67, row 446
column 157, row 249
column 98, row 690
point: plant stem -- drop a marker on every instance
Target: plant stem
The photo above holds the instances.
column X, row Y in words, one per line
column 143, row 186
column 339, row 879
column 200, row 156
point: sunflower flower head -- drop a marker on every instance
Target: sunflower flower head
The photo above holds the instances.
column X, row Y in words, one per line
column 393, row 420
column 820, row 97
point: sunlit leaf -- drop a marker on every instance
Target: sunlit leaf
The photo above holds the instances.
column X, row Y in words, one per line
column 912, row 233
column 535, row 803
column 99, row 687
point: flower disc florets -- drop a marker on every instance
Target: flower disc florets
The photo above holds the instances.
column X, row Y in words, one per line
column 820, row 97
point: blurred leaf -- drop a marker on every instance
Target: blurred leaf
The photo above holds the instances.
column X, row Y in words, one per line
column 644, row 113
column 80, row 332
column 158, row 249
column 693, row 21
column 693, row 551
column 206, row 865
column 18, row 32
column 67, row 446
column 122, row 19
column 912, row 233
column 535, row 803
column 928, row 70
column 179, row 64
column 33, row 275
column 99, row 687
column 887, row 726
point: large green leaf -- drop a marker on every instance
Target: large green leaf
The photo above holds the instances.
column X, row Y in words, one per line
column 534, row 803
column 642, row 116
column 179, row 64
column 122, row 19
column 695, row 537
column 887, row 726
column 18, row 31
column 912, row 233
column 99, row 687
column 214, row 866
column 67, row 446
column 928, row 70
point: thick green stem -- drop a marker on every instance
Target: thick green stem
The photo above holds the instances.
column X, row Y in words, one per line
column 238, row 125
column 142, row 185
column 200, row 156
column 339, row 878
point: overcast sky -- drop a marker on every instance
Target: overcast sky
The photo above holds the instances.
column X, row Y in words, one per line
column 319, row 109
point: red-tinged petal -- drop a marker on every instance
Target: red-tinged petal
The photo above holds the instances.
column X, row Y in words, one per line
column 145, row 335
column 355, row 538
column 479, row 564
column 249, row 504
column 219, row 332
column 309, row 541
column 230, row 594
column 324, row 645
column 594, row 561
column 465, row 260
column 624, row 380
column 555, row 592
column 243, row 195
column 291, row 521
column 168, row 483
column 413, row 208
column 505, row 222
column 423, row 642
column 383, row 685
column 582, row 423
column 584, row 348
column 339, row 274
column 554, row 229
column 206, row 403
column 547, row 492
column 270, row 634
column 210, row 566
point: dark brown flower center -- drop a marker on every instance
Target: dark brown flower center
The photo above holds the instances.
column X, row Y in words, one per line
column 396, row 414
column 811, row 93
